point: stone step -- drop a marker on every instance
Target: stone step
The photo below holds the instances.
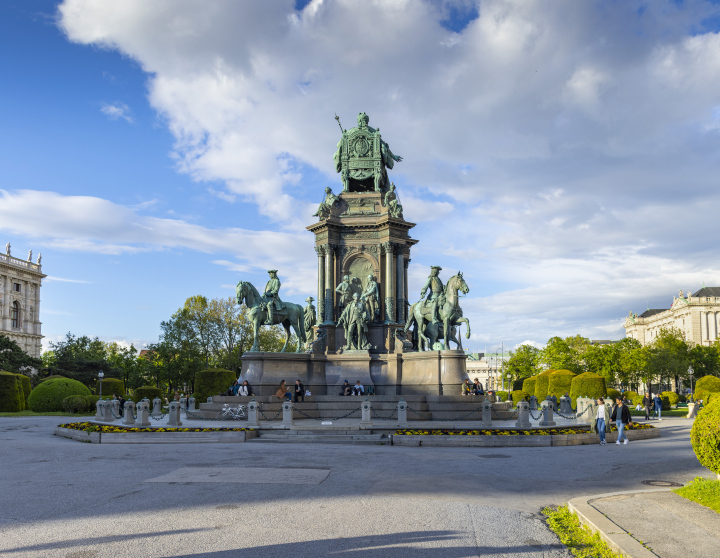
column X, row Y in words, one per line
column 311, row 436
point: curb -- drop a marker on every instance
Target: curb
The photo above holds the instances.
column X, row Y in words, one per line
column 618, row 539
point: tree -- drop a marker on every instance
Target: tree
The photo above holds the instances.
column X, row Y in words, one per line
column 81, row 358
column 667, row 357
column 564, row 354
column 705, row 360
column 14, row 359
column 524, row 362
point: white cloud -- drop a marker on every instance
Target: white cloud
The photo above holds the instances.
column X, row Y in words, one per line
column 65, row 280
column 117, row 110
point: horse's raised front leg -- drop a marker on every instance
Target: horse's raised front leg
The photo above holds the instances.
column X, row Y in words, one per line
column 467, row 323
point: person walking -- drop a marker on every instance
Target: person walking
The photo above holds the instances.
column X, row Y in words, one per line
column 658, row 406
column 647, row 403
column 621, row 417
column 601, row 423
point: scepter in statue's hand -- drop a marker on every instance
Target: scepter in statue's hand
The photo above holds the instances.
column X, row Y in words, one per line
column 338, row 121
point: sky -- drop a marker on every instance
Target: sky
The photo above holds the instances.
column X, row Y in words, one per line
column 563, row 155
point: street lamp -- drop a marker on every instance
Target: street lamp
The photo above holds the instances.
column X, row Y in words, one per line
column 100, row 375
column 691, row 372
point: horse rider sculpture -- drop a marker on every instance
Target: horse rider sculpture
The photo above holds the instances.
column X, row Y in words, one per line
column 271, row 292
column 437, row 292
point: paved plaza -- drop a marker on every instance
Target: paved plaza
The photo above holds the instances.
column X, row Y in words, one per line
column 67, row 499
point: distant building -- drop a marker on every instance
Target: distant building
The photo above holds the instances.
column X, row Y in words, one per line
column 20, row 282
column 487, row 367
column 697, row 315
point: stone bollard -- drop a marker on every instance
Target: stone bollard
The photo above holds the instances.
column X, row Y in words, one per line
column 565, row 406
column 287, row 410
column 402, row 413
column 487, row 408
column 98, row 409
column 115, row 407
column 523, row 410
column 209, row 399
column 252, row 421
column 129, row 408
column 549, row 399
column 107, row 412
column 174, row 414
column 547, row 414
column 366, row 419
column 581, row 406
column 533, row 403
column 692, row 410
column 191, row 404
column 591, row 407
column 157, row 408
column 183, row 403
column 143, row 412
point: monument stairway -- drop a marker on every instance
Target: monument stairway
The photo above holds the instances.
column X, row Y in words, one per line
column 332, row 407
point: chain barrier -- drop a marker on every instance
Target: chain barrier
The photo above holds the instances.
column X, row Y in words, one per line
column 391, row 415
column 263, row 415
column 162, row 416
column 461, row 417
column 558, row 413
column 330, row 419
column 419, row 413
column 219, row 417
column 533, row 416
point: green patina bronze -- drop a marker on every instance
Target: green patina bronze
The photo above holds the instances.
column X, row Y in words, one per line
column 354, row 320
column 362, row 157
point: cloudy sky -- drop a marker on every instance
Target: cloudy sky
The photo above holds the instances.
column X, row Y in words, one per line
column 564, row 155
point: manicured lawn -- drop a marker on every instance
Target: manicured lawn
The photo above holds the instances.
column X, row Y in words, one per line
column 703, row 491
column 671, row 413
column 580, row 540
column 28, row 413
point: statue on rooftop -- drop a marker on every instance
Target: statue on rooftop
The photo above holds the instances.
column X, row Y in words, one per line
column 7, row 248
column 362, row 157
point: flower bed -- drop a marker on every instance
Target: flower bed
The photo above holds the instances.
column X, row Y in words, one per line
column 109, row 428
column 110, row 434
column 504, row 432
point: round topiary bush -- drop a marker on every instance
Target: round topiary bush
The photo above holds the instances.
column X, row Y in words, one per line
column 701, row 395
column 91, row 401
column 559, row 382
column 634, row 397
column 149, row 392
column 110, row 386
column 705, row 437
column 12, row 398
column 520, row 394
column 26, row 387
column 708, row 383
column 541, row 384
column 587, row 385
column 211, row 382
column 613, row 394
column 75, row 404
column 501, row 395
column 47, row 397
column 682, row 398
column 713, row 397
column 529, row 385
column 673, row 398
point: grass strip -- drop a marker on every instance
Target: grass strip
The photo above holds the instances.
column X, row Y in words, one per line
column 580, row 540
column 670, row 413
column 703, row 491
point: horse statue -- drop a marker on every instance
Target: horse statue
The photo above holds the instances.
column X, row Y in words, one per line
column 451, row 315
column 291, row 315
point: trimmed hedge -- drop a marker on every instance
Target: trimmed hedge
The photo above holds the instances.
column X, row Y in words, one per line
column 673, row 398
column 91, row 402
column 149, row 392
column 634, row 397
column 560, row 382
column 529, row 384
column 683, row 398
column 110, row 386
column 211, row 382
column 12, row 398
column 713, row 398
column 705, row 437
column 701, row 395
column 520, row 394
column 613, row 394
column 76, row 404
column 587, row 385
column 26, row 388
column 708, row 383
column 48, row 396
column 501, row 395
column 541, row 384
column 518, row 384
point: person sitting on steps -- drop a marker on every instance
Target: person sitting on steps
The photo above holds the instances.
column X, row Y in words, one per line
column 282, row 392
column 358, row 389
column 467, row 387
column 346, row 389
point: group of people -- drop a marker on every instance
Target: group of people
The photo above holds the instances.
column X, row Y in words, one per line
column 472, row 389
column 284, row 393
column 357, row 389
column 620, row 415
column 652, row 403
column 239, row 389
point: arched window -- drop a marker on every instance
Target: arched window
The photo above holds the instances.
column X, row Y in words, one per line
column 16, row 314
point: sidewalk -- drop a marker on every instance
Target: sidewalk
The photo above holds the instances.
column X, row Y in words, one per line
column 651, row 523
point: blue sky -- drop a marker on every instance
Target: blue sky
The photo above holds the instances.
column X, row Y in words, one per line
column 563, row 157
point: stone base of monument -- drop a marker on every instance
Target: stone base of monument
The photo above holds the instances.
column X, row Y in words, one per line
column 392, row 373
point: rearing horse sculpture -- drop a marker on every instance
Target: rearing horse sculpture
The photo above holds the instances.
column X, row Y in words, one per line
column 292, row 315
column 451, row 315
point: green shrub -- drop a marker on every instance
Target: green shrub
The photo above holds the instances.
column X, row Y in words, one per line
column 518, row 384
column 110, row 386
column 587, row 385
column 91, row 402
column 701, row 395
column 76, row 404
column 634, row 397
column 708, row 383
column 47, row 397
column 211, row 382
column 613, row 394
column 559, row 382
column 501, row 395
column 713, row 397
column 26, row 388
column 12, row 398
column 665, row 402
column 541, row 384
column 673, row 398
column 149, row 392
column 519, row 395
column 682, row 398
column 705, row 437
column 529, row 385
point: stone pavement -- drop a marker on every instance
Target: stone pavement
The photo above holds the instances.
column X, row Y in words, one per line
column 71, row 500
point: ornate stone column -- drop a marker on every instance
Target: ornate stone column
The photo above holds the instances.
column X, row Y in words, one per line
column 400, row 290
column 405, row 279
column 329, row 284
column 6, row 304
column 27, row 318
column 389, row 282
column 37, row 309
column 321, row 284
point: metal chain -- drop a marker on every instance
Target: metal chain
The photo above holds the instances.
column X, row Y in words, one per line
column 378, row 416
column 265, row 416
column 331, row 419
column 419, row 413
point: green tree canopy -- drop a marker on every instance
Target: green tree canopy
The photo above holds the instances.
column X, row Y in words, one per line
column 523, row 362
column 14, row 359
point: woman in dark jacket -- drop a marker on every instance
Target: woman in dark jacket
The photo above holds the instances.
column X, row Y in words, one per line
column 621, row 416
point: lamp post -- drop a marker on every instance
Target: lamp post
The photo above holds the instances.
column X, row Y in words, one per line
column 691, row 372
column 100, row 375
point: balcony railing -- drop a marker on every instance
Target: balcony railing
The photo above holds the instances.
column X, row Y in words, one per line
column 12, row 260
